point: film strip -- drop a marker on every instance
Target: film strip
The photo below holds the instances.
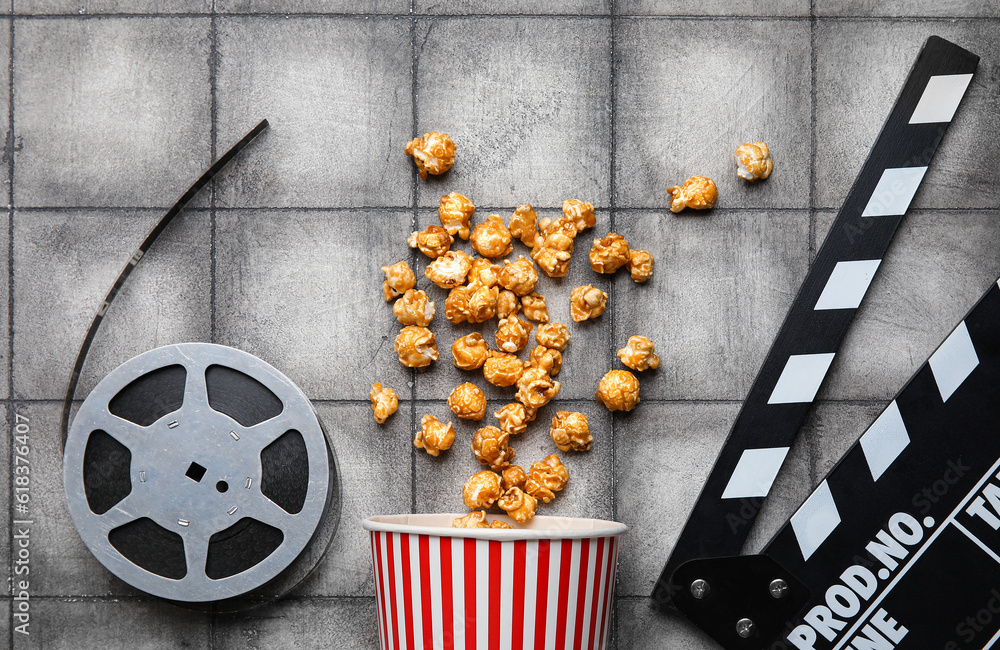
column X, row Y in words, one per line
column 804, row 349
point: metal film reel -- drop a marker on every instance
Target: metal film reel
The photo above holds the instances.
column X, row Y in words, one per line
column 199, row 473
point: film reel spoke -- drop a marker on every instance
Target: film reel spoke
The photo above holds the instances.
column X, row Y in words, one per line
column 265, row 433
column 121, row 513
column 129, row 434
column 195, row 389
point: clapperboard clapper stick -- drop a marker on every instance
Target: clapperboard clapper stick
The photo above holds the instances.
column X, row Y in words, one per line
column 703, row 577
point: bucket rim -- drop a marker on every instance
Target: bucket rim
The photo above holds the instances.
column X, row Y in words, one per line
column 540, row 527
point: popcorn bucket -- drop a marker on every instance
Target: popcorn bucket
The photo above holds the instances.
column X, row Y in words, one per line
column 547, row 585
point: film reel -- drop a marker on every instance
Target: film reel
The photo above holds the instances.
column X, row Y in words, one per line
column 200, row 474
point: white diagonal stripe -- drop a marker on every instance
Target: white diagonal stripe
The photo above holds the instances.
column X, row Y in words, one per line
column 894, row 191
column 942, row 95
column 953, row 361
column 813, row 522
column 755, row 472
column 847, row 284
column 801, row 377
column 885, row 439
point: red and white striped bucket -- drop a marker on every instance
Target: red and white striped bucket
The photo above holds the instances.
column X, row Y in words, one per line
column 548, row 585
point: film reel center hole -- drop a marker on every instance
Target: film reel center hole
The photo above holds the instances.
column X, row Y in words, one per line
column 222, row 486
column 195, row 472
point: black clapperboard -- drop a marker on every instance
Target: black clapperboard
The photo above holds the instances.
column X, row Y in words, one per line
column 899, row 546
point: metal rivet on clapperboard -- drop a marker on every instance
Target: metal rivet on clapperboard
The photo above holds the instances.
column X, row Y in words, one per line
column 744, row 627
column 778, row 588
column 699, row 588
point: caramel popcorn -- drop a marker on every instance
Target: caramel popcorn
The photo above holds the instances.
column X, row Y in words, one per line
column 546, row 477
column 502, row 369
column 581, row 212
column 534, row 307
column 468, row 402
column 640, row 265
column 638, row 354
column 571, row 431
column 514, row 418
column 481, row 490
column 547, row 359
column 477, row 519
column 754, row 161
column 470, row 351
column 519, row 277
column 609, row 254
column 536, row 388
column 618, row 390
column 433, row 154
column 519, row 505
column 434, row 436
column 416, row 346
column 455, row 212
column 553, row 335
column 384, row 402
column 508, row 304
column 491, row 238
column 456, row 305
column 433, row 241
column 554, row 246
column 482, row 303
column 587, row 302
column 513, row 334
column 523, row 224
column 484, row 273
column 496, row 523
column 513, row 476
column 398, row 278
column 414, row 308
column 489, row 444
column 449, row 270
column 698, row 192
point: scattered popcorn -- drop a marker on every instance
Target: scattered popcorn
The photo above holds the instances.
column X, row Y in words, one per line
column 638, row 354
column 519, row 505
column 571, row 431
column 609, row 254
column 514, row 418
column 433, row 241
column 434, row 436
column 456, row 305
column 481, row 490
column 523, row 224
column 489, row 444
column 468, row 402
column 754, row 161
column 534, row 307
column 546, row 477
column 384, row 402
column 519, row 277
column 554, row 246
column 502, row 369
column 484, row 273
column 536, row 388
column 470, row 351
column 513, row 334
column 587, row 302
column 398, row 278
column 581, row 212
column 618, row 390
column 513, row 476
column 547, row 359
column 698, row 192
column 449, row 270
column 508, row 304
column 553, row 335
column 433, row 154
column 640, row 265
column 416, row 346
column 414, row 308
column 491, row 238
column 455, row 213
column 482, row 302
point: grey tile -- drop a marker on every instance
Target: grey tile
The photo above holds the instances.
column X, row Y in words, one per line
column 853, row 99
column 337, row 95
column 85, row 7
column 342, row 623
column 590, row 7
column 303, row 291
column 903, row 8
column 313, row 6
column 720, row 290
column 683, row 110
column 668, row 452
column 936, row 269
column 97, row 124
column 589, row 339
column 374, row 463
column 536, row 133
column 588, row 494
column 64, row 624
column 641, row 628
column 64, row 264
column 713, row 8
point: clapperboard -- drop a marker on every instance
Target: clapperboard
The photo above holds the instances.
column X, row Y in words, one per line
column 899, row 546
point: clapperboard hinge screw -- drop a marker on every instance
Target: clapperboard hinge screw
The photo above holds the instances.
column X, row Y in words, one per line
column 699, row 588
column 744, row 627
column 778, row 588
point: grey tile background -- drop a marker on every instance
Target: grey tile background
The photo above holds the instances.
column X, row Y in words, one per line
column 113, row 107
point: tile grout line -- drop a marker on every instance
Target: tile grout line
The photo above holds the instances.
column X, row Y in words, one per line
column 415, row 206
column 612, row 200
column 11, row 408
column 213, row 112
column 763, row 211
column 811, row 443
column 510, row 16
